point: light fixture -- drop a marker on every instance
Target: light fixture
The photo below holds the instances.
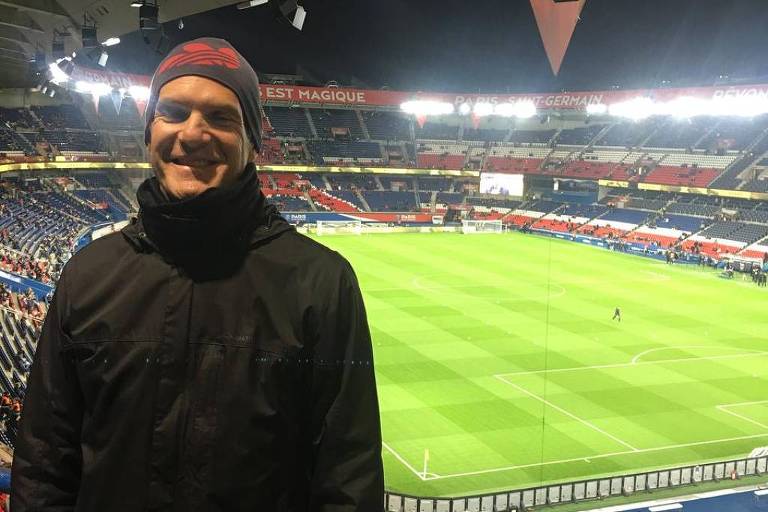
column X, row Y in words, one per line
column 103, row 58
column 88, row 33
column 298, row 17
column 250, row 3
column 112, row 41
column 137, row 4
column 287, row 10
column 148, row 13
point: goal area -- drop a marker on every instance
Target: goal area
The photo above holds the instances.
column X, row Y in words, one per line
column 339, row 227
column 481, row 226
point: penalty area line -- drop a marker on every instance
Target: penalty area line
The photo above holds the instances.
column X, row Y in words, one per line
column 404, row 462
column 590, row 458
column 567, row 413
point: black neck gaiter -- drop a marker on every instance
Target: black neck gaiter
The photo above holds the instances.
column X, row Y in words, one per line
column 218, row 222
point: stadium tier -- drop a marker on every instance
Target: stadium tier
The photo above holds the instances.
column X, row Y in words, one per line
column 43, row 217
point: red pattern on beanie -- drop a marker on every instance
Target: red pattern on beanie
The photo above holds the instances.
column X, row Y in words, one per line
column 201, row 54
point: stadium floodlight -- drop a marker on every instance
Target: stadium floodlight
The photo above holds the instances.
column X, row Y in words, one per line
column 739, row 106
column 112, row 41
column 596, row 109
column 101, row 89
column 465, row 109
column 139, row 92
column 505, row 109
column 427, row 107
column 57, row 75
column 83, row 86
column 637, row 108
column 524, row 109
column 483, row 109
column 686, row 107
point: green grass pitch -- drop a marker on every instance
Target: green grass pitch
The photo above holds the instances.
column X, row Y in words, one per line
column 497, row 353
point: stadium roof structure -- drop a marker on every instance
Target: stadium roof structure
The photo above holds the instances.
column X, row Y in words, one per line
column 30, row 26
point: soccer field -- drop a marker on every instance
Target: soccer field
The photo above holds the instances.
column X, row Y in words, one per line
column 498, row 355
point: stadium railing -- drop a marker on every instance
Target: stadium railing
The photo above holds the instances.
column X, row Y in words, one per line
column 582, row 490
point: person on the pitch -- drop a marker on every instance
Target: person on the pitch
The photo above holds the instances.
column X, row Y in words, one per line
column 617, row 314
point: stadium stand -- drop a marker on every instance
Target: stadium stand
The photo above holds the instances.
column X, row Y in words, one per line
column 676, row 133
column 327, row 152
column 437, row 131
column 627, row 134
column 734, row 133
column 441, row 155
column 434, row 183
column 385, row 201
column 397, row 183
column 484, row 134
column 386, row 125
column 289, row 121
column 736, row 231
column 330, row 123
column 579, row 136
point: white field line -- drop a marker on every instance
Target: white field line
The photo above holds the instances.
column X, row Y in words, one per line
column 737, row 404
column 613, row 454
column 569, row 414
column 640, row 363
column 405, row 462
column 600, row 456
column 637, row 358
column 724, row 408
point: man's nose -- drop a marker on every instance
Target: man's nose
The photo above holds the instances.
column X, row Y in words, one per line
column 194, row 131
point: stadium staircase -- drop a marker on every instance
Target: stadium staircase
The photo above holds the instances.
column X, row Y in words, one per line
column 376, row 180
column 33, row 115
column 732, row 173
column 596, row 138
column 753, row 250
column 363, row 127
column 308, row 198
column 650, row 135
column 746, row 175
column 312, row 127
column 553, row 139
column 362, row 200
column 706, row 134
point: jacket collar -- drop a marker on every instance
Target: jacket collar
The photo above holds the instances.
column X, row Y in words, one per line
column 220, row 221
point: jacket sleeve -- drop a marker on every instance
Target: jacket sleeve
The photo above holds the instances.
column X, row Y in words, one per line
column 347, row 474
column 47, row 462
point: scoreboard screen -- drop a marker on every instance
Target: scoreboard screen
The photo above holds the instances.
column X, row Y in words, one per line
column 502, row 184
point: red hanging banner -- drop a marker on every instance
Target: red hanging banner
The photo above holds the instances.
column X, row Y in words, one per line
column 556, row 21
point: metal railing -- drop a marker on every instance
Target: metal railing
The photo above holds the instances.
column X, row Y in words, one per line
column 582, row 490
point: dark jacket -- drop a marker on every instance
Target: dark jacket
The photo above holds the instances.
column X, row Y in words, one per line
column 186, row 366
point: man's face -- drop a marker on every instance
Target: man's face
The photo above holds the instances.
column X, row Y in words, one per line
column 198, row 138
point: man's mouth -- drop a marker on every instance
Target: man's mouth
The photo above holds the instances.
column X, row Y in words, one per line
column 188, row 162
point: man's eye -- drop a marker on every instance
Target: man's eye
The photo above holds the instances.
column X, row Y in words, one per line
column 173, row 115
column 221, row 118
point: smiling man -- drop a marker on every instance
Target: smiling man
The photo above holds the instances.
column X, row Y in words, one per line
column 207, row 358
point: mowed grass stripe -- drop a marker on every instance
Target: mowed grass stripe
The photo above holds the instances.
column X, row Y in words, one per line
column 448, row 312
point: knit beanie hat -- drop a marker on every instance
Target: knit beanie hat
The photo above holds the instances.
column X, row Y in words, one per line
column 216, row 59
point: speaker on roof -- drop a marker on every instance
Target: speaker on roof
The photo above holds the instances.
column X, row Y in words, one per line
column 148, row 17
column 90, row 40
